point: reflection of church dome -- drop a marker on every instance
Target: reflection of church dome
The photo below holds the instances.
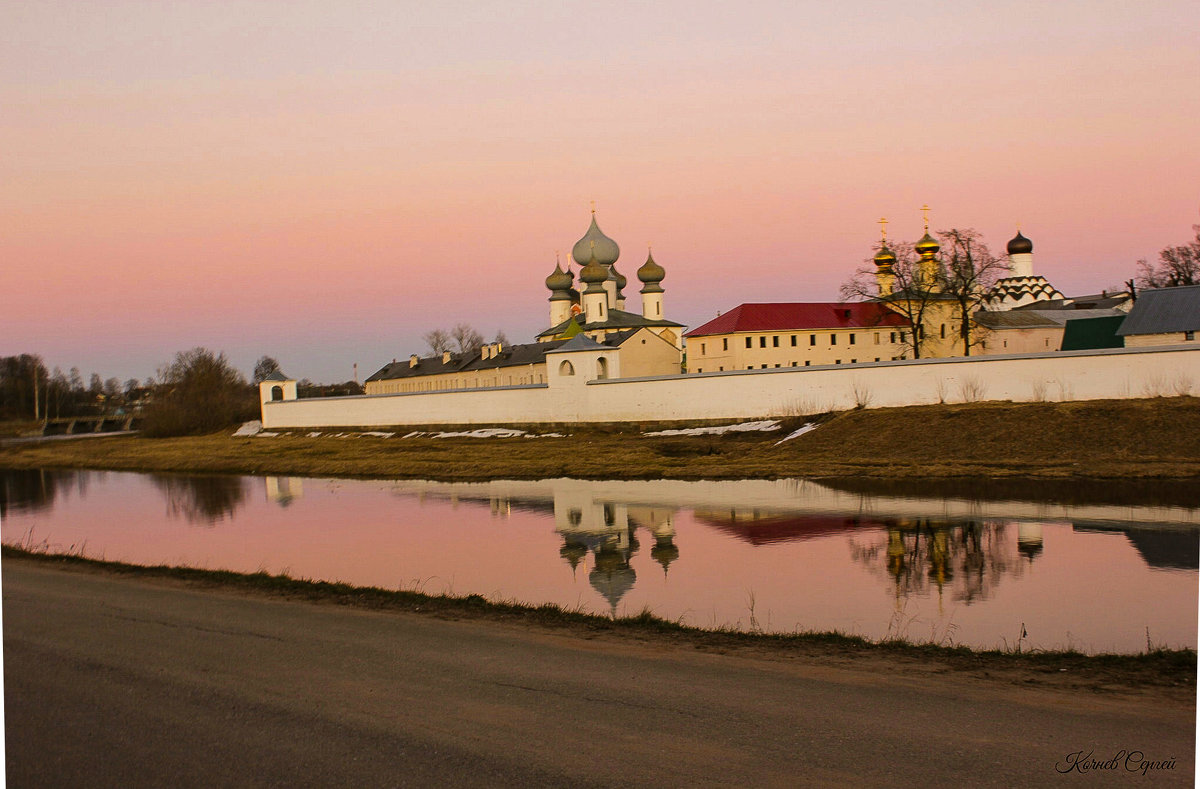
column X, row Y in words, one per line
column 573, row 552
column 612, row 577
column 1020, row 245
column 605, row 248
column 664, row 552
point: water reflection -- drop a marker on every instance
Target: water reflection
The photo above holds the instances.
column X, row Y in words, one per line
column 203, row 500
column 962, row 562
column 36, row 489
column 777, row 554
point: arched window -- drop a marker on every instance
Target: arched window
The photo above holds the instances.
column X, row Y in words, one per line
column 602, row 368
column 566, row 368
column 276, row 392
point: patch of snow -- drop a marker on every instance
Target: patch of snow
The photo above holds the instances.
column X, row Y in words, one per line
column 414, row 434
column 546, row 435
column 483, row 432
column 250, row 428
column 378, row 434
column 806, row 428
column 265, row 434
column 314, row 434
column 764, row 426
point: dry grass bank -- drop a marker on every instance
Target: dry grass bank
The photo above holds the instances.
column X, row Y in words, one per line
column 1156, row 438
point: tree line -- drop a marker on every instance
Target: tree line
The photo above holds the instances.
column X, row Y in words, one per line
column 197, row 392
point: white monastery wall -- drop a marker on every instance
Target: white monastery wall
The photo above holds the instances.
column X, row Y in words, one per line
column 1079, row 375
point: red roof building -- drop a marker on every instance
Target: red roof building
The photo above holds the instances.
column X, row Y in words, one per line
column 765, row 336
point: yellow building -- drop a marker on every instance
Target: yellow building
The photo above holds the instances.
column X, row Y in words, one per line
column 765, row 336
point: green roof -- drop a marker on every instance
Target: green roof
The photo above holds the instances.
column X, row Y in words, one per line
column 1084, row 334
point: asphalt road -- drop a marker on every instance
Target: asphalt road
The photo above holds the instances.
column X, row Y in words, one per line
column 117, row 682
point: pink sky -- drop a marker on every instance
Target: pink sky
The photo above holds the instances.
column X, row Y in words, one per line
column 324, row 182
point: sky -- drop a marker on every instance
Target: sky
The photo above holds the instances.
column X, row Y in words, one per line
column 324, row 182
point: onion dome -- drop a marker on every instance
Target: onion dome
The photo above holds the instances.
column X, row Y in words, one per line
column 594, row 274
column 620, row 279
column 885, row 257
column 928, row 245
column 606, row 249
column 651, row 274
column 559, row 280
column 1020, row 245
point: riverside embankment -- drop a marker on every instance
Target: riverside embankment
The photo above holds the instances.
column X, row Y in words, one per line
column 1155, row 438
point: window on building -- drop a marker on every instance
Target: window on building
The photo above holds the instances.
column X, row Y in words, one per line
column 749, row 367
column 876, row 339
column 807, row 363
column 812, row 339
column 725, row 344
column 276, row 392
column 832, row 338
column 851, row 339
column 775, row 341
column 1189, row 336
column 720, row 369
column 779, row 365
column 699, row 369
column 854, row 361
column 764, row 367
column 903, row 337
column 893, row 337
column 749, row 342
column 701, row 348
column 837, row 361
column 793, row 341
column 943, row 331
column 762, row 342
column 566, row 368
column 1047, row 342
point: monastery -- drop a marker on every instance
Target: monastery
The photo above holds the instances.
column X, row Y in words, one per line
column 585, row 314
column 599, row 361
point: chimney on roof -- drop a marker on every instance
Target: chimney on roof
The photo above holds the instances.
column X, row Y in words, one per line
column 412, row 361
column 445, row 357
column 499, row 349
column 486, row 352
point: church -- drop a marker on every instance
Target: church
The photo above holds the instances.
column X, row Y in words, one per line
column 587, row 313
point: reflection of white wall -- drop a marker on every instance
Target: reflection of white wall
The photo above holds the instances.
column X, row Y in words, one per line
column 793, row 496
column 1076, row 375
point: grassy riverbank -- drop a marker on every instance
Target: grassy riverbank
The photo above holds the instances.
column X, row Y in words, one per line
column 1164, row 668
column 1157, row 438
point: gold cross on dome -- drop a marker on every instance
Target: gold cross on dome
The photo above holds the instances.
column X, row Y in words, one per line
column 925, row 211
column 593, row 206
column 883, row 227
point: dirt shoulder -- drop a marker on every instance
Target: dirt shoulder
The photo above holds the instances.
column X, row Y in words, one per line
column 1155, row 438
column 1166, row 675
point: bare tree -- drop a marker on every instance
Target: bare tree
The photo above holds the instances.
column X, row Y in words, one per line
column 1176, row 266
column 466, row 339
column 968, row 269
column 438, row 340
column 912, row 296
column 501, row 338
column 263, row 368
